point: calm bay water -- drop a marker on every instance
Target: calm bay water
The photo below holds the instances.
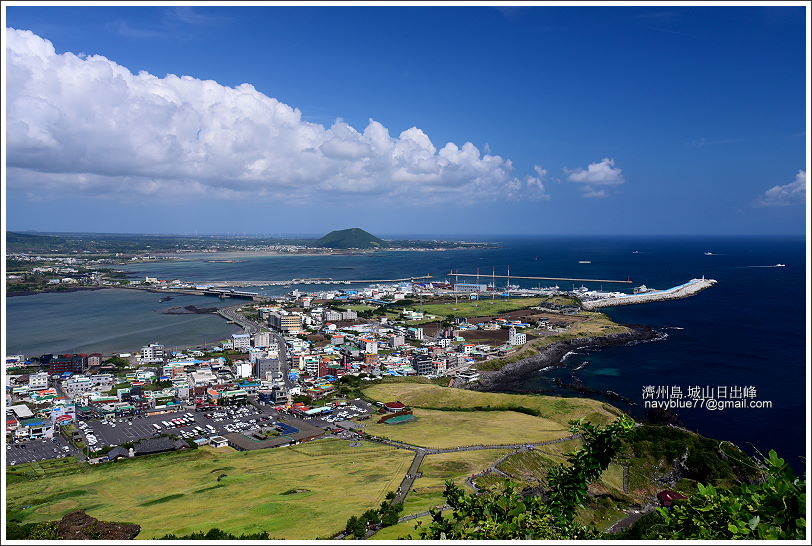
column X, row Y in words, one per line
column 109, row 320
column 748, row 330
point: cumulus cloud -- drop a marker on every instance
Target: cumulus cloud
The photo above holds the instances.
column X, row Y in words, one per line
column 787, row 194
column 597, row 177
column 87, row 124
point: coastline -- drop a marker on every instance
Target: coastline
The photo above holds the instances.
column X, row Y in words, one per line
column 63, row 291
column 196, row 256
column 511, row 378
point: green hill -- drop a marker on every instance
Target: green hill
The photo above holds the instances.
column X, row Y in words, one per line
column 28, row 241
column 350, row 238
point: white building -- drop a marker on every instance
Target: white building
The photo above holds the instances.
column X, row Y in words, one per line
column 202, row 377
column 262, row 339
column 38, row 381
column 516, row 338
column 242, row 369
column 154, row 352
column 415, row 333
column 241, row 341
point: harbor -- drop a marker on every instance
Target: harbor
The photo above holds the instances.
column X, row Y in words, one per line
column 694, row 286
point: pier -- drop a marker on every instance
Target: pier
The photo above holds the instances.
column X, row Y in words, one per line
column 688, row 289
column 318, row 280
column 485, row 277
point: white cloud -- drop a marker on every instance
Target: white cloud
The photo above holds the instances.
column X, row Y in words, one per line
column 593, row 193
column 598, row 174
column 88, row 124
column 788, row 194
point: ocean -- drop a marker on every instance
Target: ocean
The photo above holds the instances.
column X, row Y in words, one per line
column 748, row 331
column 106, row 321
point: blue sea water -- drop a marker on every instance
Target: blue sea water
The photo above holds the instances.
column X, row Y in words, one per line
column 748, row 330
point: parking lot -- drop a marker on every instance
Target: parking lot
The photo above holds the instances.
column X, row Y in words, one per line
column 353, row 410
column 131, row 429
column 38, row 450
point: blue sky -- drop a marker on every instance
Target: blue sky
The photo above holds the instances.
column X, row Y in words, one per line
column 585, row 120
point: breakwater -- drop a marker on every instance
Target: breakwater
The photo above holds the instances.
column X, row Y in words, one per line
column 688, row 289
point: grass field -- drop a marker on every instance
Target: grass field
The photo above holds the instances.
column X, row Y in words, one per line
column 444, row 429
column 559, row 410
column 400, row 530
column 439, row 467
column 303, row 492
column 478, row 308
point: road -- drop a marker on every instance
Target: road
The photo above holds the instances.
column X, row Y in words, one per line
column 421, row 452
column 230, row 313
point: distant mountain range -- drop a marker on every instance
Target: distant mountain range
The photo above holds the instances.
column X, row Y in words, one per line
column 350, row 238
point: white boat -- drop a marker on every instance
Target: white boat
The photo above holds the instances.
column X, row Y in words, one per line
column 779, row 265
column 584, row 262
column 636, row 252
column 709, row 254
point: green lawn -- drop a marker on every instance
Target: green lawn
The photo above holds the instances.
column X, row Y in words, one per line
column 444, row 429
column 400, row 530
column 204, row 488
column 478, row 308
column 439, row 467
column 559, row 410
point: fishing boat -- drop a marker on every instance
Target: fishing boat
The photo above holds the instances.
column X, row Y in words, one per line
column 779, row 265
column 166, row 298
column 709, row 253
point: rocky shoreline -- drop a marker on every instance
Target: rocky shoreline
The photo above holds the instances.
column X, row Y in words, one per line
column 11, row 294
column 512, row 376
column 189, row 310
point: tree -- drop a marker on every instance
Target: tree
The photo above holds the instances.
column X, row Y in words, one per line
column 569, row 485
column 773, row 509
column 118, row 362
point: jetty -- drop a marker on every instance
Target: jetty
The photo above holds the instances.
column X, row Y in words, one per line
column 685, row 290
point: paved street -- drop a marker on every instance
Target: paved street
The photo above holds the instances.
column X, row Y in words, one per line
column 38, row 450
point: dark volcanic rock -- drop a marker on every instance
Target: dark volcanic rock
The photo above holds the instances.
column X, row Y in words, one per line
column 80, row 526
column 189, row 310
column 512, row 375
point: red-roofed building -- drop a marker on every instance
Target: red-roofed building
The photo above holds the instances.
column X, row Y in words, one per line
column 394, row 407
column 667, row 497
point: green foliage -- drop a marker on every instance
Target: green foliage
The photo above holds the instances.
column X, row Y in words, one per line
column 217, row 534
column 43, row 530
column 509, row 515
column 118, row 362
column 568, row 485
column 771, row 510
column 388, row 514
column 503, row 515
column 505, row 407
column 707, row 460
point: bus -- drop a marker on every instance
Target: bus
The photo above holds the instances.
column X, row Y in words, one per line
column 156, row 426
